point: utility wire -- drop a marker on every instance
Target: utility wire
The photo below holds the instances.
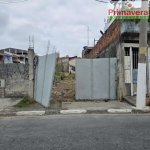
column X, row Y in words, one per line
column 101, row 1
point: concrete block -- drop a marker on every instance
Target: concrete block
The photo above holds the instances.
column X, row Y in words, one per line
column 119, row 110
column 30, row 113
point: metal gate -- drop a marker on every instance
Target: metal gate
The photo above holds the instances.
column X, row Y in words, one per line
column 96, row 78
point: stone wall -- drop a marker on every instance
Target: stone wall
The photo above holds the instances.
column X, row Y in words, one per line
column 16, row 78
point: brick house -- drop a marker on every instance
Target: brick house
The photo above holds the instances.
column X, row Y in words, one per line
column 121, row 40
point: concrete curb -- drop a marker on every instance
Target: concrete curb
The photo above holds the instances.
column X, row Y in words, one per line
column 30, row 113
column 119, row 110
column 67, row 112
column 144, row 110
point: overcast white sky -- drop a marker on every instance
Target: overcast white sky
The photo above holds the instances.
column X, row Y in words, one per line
column 63, row 22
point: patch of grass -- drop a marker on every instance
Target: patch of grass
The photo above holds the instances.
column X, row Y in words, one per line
column 25, row 102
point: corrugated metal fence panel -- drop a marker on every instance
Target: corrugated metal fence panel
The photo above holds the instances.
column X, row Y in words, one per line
column 83, row 79
column 49, row 76
column 113, row 78
column 92, row 78
column 100, row 78
column 39, row 76
column 44, row 79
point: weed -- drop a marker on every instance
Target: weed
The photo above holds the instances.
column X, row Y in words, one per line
column 25, row 102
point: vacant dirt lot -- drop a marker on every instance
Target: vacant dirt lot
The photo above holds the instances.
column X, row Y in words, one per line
column 64, row 90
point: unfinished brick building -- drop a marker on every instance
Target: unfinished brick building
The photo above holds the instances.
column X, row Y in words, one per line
column 121, row 40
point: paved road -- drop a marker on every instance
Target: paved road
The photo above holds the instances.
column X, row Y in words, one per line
column 84, row 132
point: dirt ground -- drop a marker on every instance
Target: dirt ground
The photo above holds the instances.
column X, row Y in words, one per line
column 64, row 90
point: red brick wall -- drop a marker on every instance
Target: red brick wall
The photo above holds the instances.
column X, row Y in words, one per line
column 112, row 32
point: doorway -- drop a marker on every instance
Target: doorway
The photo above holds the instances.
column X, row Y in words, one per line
column 131, row 69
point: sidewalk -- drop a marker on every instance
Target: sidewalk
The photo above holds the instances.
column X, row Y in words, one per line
column 7, row 102
column 90, row 107
column 131, row 100
column 97, row 105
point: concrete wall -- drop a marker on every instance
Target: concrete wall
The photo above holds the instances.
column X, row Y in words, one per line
column 128, row 26
column 16, row 78
column 31, row 72
column 63, row 65
column 72, row 65
column 2, row 92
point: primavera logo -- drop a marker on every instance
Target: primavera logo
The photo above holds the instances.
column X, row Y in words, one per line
column 128, row 6
column 129, row 10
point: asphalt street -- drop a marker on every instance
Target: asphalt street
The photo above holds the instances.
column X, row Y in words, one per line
column 81, row 132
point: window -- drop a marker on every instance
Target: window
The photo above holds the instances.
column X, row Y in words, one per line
column 135, row 52
column 127, row 51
